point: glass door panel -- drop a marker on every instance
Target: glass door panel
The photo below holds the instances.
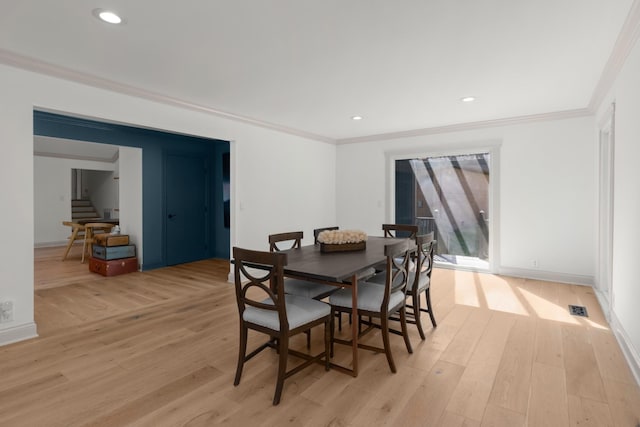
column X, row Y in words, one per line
column 448, row 195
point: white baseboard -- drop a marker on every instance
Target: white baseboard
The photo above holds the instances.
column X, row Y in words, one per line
column 550, row 276
column 53, row 244
column 630, row 353
column 18, row 333
column 604, row 304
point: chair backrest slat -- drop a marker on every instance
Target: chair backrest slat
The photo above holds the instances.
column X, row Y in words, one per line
column 397, row 274
column 295, row 237
column 400, row 230
column 317, row 232
column 426, row 245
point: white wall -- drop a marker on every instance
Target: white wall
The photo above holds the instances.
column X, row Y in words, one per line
column 625, row 316
column 102, row 190
column 52, row 196
column 546, row 186
column 130, row 183
column 281, row 182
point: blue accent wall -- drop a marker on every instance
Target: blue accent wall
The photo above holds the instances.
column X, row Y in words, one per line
column 154, row 145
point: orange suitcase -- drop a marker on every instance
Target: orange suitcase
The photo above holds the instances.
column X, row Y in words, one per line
column 113, row 267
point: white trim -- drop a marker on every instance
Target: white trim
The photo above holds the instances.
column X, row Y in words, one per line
column 73, row 157
column 35, row 65
column 60, row 243
column 605, row 204
column 624, row 44
column 460, row 127
column 18, row 333
column 605, row 121
column 604, row 304
column 630, row 353
column 549, row 276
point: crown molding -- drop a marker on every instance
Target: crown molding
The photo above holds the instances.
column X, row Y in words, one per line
column 461, row 127
column 621, row 50
column 35, row 65
column 624, row 44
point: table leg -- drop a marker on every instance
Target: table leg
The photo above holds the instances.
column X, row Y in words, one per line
column 72, row 239
column 88, row 237
column 354, row 323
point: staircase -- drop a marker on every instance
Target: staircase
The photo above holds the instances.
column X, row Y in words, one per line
column 83, row 209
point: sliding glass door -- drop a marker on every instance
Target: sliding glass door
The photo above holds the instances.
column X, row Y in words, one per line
column 448, row 195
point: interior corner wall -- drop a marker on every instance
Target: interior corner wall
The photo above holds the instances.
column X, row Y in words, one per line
column 547, row 179
column 626, row 206
column 281, row 181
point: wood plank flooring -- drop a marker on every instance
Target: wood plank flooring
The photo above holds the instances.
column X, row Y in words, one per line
column 159, row 349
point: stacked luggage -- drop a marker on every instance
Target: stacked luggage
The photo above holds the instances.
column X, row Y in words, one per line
column 112, row 255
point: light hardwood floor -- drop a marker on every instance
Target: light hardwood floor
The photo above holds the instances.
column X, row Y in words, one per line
column 159, row 349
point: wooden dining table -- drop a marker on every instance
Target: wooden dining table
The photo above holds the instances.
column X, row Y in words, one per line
column 338, row 269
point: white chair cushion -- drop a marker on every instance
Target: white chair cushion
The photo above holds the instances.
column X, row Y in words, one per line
column 423, row 282
column 369, row 297
column 300, row 310
column 381, row 279
column 303, row 288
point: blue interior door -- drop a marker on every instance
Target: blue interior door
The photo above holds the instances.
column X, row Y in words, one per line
column 186, row 209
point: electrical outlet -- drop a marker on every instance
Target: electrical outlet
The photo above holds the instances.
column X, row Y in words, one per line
column 6, row 311
column 534, row 263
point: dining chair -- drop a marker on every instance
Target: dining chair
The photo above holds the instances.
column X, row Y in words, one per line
column 264, row 307
column 420, row 279
column 303, row 288
column 397, row 230
column 379, row 301
column 419, row 282
column 293, row 240
column 317, row 232
column 90, row 230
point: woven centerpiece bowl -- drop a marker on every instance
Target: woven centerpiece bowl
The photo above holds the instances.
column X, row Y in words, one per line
column 342, row 240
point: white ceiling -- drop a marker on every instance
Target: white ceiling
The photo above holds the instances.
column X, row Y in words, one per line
column 311, row 65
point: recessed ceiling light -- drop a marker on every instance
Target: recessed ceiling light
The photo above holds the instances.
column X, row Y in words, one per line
column 468, row 99
column 107, row 16
column 356, row 118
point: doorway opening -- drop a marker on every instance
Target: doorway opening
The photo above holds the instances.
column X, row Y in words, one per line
column 449, row 196
column 604, row 266
column 94, row 194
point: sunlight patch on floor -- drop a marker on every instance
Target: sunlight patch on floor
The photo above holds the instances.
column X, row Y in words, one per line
column 547, row 310
column 466, row 292
column 499, row 295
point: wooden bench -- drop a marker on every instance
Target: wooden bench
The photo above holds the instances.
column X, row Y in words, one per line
column 77, row 233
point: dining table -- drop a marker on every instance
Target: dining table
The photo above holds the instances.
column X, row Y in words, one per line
column 340, row 269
